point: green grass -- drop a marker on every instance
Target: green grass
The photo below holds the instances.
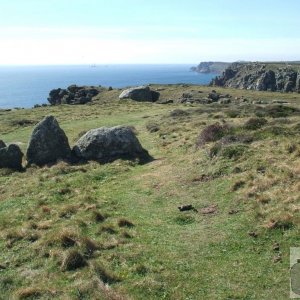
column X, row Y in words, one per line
column 160, row 253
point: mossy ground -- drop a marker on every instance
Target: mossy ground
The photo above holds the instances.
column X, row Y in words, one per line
column 160, row 253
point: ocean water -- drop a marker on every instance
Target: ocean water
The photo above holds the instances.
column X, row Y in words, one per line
column 24, row 86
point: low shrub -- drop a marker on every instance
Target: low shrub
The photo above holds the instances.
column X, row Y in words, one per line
column 255, row 123
column 276, row 111
column 233, row 151
column 212, row 133
column 229, row 149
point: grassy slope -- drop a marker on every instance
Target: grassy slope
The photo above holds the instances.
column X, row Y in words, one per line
column 167, row 254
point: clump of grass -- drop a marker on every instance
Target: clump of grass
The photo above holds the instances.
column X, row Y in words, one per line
column 88, row 246
column 152, row 127
column 232, row 113
column 240, row 138
column 67, row 211
column 22, row 122
column 73, row 260
column 108, row 229
column 126, row 235
column 184, row 220
column 64, row 191
column 237, row 185
column 291, row 148
column 98, row 217
column 178, row 113
column 276, row 111
column 141, row 269
column 211, row 133
column 125, row 223
column 29, row 292
column 255, row 123
column 67, row 239
column 233, row 151
column 13, row 236
column 104, row 274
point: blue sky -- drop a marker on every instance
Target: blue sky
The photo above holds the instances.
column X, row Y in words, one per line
column 115, row 31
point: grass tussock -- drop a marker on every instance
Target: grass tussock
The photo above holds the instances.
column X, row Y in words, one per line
column 29, row 293
column 104, row 274
column 73, row 260
column 125, row 223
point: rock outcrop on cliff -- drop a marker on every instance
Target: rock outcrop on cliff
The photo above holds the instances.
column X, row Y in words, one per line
column 260, row 77
column 212, row 67
column 73, row 95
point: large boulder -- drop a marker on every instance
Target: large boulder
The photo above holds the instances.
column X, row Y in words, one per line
column 11, row 157
column 2, row 144
column 107, row 144
column 48, row 143
column 140, row 93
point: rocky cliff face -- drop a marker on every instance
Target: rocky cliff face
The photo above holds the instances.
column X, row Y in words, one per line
column 260, row 77
column 210, row 67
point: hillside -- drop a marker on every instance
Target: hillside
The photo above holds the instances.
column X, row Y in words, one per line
column 234, row 159
column 281, row 76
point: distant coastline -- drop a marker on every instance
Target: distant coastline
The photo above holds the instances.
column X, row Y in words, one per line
column 25, row 86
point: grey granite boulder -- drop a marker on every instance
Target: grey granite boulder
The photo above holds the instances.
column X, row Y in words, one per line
column 140, row 93
column 48, row 143
column 2, row 144
column 106, row 144
column 11, row 157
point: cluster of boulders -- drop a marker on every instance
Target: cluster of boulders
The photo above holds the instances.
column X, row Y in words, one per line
column 49, row 144
column 140, row 93
column 73, row 95
column 260, row 77
column 197, row 97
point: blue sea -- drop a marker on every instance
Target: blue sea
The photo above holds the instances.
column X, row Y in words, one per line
column 24, row 86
